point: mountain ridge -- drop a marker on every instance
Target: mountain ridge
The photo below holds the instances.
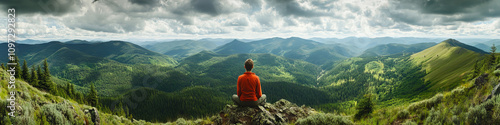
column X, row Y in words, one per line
column 453, row 42
column 120, row 51
column 180, row 49
column 395, row 48
column 293, row 48
column 447, row 61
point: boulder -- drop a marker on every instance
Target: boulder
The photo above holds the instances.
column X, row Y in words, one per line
column 481, row 80
column 281, row 112
column 94, row 115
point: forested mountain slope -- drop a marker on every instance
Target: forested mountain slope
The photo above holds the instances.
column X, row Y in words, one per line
column 401, row 78
column 34, row 106
column 224, row 69
column 180, row 49
column 108, row 64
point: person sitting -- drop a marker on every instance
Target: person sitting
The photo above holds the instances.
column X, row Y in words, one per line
column 249, row 93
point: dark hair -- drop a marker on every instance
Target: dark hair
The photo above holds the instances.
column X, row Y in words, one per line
column 249, row 64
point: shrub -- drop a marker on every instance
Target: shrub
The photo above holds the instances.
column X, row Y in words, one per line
column 409, row 122
column 477, row 115
column 6, row 121
column 496, row 72
column 455, row 120
column 58, row 113
column 324, row 119
column 24, row 120
column 428, row 103
column 181, row 121
column 201, row 122
column 403, row 114
column 435, row 118
column 486, row 113
column 27, row 115
column 53, row 115
column 422, row 114
column 457, row 91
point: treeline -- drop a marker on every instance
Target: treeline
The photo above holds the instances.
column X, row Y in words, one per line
column 396, row 77
column 490, row 61
column 158, row 106
column 472, row 103
column 40, row 77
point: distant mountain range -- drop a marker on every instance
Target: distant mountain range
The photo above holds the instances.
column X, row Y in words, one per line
column 486, row 46
column 294, row 48
column 395, row 48
column 181, row 48
column 120, row 51
column 196, row 77
column 363, row 43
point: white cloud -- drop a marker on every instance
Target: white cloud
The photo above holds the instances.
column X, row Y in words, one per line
column 157, row 19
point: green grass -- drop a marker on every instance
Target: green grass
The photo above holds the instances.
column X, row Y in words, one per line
column 462, row 105
column 445, row 65
column 37, row 104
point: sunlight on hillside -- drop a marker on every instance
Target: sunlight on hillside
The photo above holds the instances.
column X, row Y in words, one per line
column 444, row 64
column 374, row 67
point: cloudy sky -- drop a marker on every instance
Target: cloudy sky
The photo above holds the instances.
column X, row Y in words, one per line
column 195, row 19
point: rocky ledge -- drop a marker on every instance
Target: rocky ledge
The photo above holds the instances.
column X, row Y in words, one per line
column 281, row 112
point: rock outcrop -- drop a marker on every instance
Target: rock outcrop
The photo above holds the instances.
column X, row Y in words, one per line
column 481, row 80
column 493, row 93
column 281, row 112
column 94, row 115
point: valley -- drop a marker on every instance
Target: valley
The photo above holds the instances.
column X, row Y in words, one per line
column 165, row 81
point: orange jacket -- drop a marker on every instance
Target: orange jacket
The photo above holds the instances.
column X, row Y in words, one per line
column 249, row 87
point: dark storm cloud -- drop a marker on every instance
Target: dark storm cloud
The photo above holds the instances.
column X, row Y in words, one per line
column 205, row 6
column 49, row 7
column 145, row 2
column 408, row 16
column 441, row 12
column 293, row 8
column 446, row 7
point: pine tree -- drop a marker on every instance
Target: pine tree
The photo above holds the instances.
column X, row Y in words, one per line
column 365, row 107
column 119, row 110
column 46, row 71
column 17, row 67
column 476, row 70
column 73, row 92
column 40, row 76
column 34, row 76
column 92, row 97
column 492, row 56
column 25, row 72
column 41, row 79
column 80, row 97
column 69, row 90
column 45, row 82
